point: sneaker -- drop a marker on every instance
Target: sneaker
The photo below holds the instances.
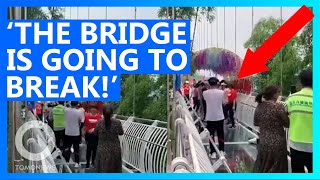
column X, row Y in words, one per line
column 77, row 165
column 92, row 166
column 72, row 150
column 213, row 155
column 87, row 166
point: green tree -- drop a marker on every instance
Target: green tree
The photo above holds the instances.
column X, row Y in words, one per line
column 189, row 13
column 36, row 13
column 306, row 43
column 149, row 96
column 56, row 12
column 289, row 57
column 41, row 13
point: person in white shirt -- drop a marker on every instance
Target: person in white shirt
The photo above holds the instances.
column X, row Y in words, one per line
column 82, row 111
column 215, row 98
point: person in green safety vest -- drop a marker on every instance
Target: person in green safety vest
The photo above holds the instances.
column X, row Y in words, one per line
column 299, row 106
column 58, row 118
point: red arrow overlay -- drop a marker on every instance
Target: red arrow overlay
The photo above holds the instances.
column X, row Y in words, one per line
column 255, row 62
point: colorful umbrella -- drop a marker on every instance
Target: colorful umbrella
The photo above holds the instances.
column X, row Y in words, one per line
column 219, row 60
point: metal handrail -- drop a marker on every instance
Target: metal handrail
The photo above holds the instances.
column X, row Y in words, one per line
column 37, row 135
column 144, row 147
column 182, row 100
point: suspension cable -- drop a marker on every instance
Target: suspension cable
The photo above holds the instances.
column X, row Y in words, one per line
column 207, row 22
column 224, row 27
column 235, row 29
column 134, row 76
column 281, row 54
column 252, row 28
column 106, row 12
column 200, row 36
column 194, row 28
column 77, row 13
column 217, row 28
column 211, row 43
column 88, row 12
column 64, row 13
column 204, row 32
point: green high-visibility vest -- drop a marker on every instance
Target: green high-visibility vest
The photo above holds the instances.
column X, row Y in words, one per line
column 58, row 117
column 300, row 112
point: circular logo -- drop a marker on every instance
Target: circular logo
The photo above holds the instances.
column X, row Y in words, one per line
column 41, row 142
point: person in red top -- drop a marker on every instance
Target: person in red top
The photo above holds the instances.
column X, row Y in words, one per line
column 232, row 96
column 90, row 122
column 186, row 90
column 39, row 110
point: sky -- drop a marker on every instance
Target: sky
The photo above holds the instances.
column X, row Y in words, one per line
column 232, row 34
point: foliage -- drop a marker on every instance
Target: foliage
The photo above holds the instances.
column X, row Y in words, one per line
column 56, row 12
column 306, row 43
column 291, row 58
column 41, row 13
column 188, row 13
column 149, row 94
column 36, row 13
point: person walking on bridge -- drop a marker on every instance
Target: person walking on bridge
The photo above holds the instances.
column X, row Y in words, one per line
column 215, row 98
column 300, row 131
column 232, row 96
column 73, row 119
column 58, row 117
column 90, row 122
column 108, row 130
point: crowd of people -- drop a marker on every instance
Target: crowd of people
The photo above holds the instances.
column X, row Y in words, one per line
column 72, row 123
column 215, row 101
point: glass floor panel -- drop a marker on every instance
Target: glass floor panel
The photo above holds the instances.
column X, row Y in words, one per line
column 237, row 134
column 240, row 154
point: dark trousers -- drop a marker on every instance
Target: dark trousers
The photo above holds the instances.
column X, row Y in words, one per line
column 50, row 123
column 204, row 106
column 196, row 103
column 40, row 116
column 59, row 138
column 92, row 144
column 71, row 141
column 80, row 137
column 230, row 113
column 225, row 111
column 300, row 159
column 188, row 97
column 216, row 126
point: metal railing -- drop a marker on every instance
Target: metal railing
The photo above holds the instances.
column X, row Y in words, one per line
column 37, row 141
column 144, row 147
column 189, row 144
column 188, row 151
